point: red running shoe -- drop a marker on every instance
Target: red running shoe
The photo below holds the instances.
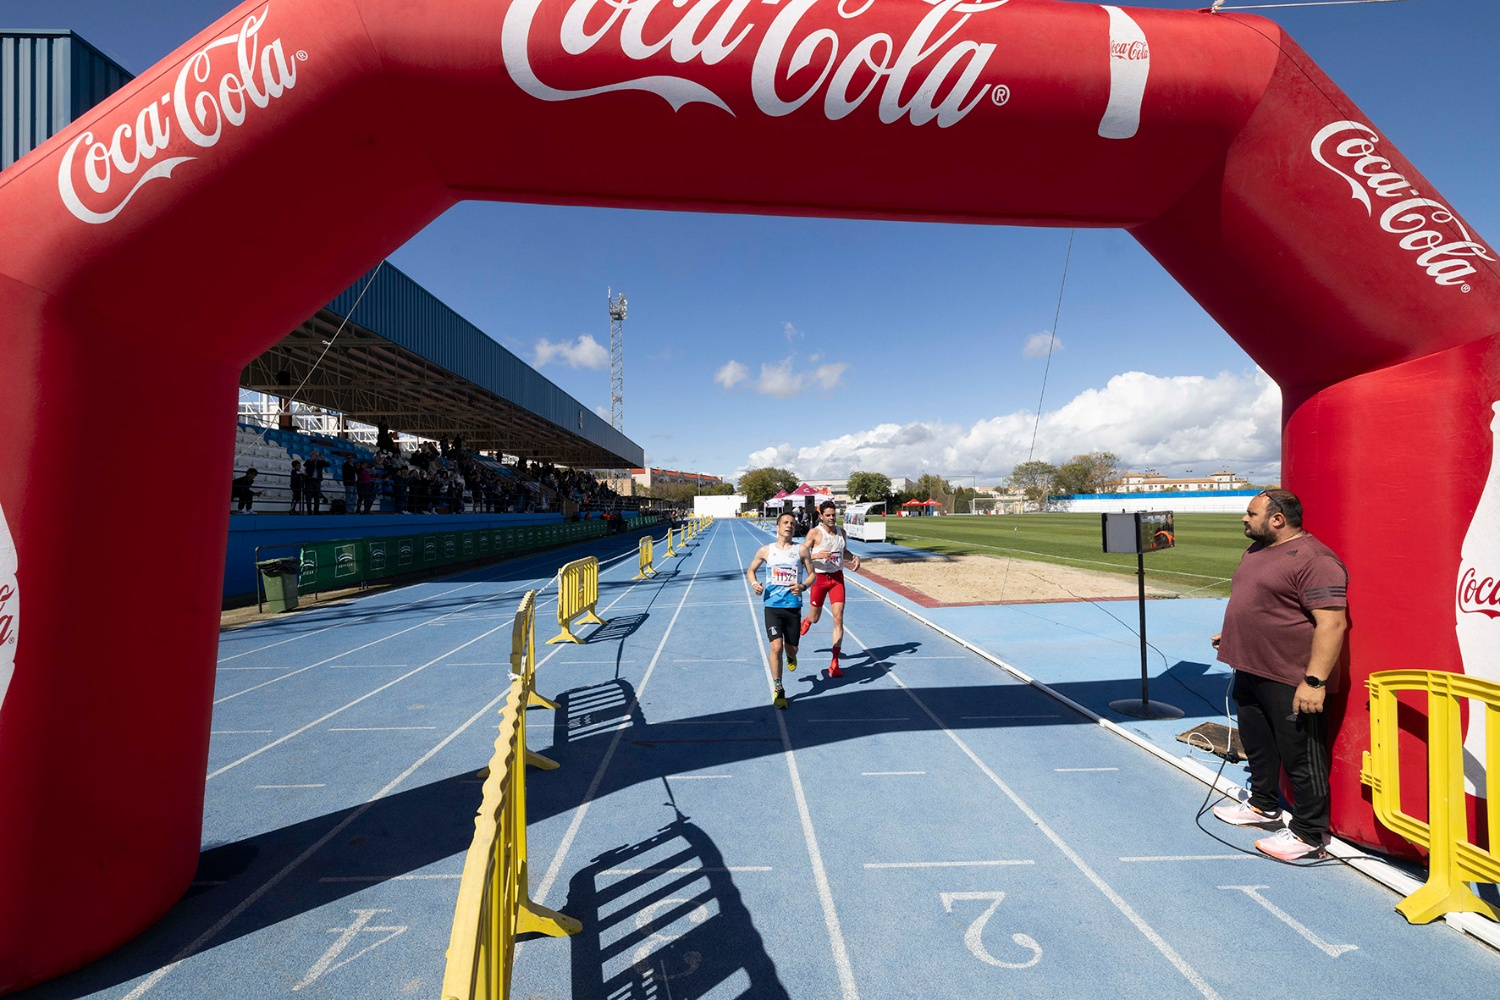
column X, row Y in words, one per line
column 806, row 624
column 833, row 669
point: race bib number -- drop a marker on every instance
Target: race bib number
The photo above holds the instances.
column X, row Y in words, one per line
column 784, row 576
column 835, row 561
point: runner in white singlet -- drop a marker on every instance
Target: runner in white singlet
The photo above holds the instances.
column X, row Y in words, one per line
column 828, row 547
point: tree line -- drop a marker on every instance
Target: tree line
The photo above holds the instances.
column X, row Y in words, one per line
column 1095, row 472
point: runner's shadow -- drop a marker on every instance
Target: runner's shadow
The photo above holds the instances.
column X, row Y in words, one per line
column 664, row 918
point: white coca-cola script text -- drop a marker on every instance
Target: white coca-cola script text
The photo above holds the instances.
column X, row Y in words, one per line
column 1425, row 227
column 216, row 87
column 933, row 56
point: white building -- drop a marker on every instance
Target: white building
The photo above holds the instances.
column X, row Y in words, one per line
column 1150, row 482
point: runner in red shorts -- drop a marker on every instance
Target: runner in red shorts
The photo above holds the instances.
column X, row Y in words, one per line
column 829, row 548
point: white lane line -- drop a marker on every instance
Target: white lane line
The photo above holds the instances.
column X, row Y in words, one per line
column 202, row 941
column 970, row 718
column 390, row 878
column 948, row 864
column 1331, row 950
column 740, row 659
column 881, row 774
column 697, row 777
column 1167, row 951
column 705, row 722
column 353, row 621
column 341, row 655
column 896, row 718
column 367, row 666
column 490, row 663
column 1082, row 770
column 685, row 871
column 815, row 855
column 375, row 729
column 255, row 668
column 1197, row 857
column 902, row 658
column 319, row 721
column 291, row 786
column 237, row 732
column 588, row 797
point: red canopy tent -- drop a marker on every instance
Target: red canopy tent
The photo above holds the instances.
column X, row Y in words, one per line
column 777, row 500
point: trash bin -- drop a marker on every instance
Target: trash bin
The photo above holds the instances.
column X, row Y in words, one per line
column 280, row 579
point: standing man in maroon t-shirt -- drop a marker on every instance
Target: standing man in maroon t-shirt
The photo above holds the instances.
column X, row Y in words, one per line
column 1283, row 632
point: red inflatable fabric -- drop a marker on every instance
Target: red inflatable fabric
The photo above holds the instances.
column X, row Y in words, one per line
column 194, row 192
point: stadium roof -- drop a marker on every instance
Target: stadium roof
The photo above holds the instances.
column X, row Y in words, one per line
column 406, row 358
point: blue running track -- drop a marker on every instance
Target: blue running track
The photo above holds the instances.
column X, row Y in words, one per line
column 928, row 825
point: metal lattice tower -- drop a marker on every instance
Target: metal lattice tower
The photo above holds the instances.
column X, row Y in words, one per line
column 616, row 359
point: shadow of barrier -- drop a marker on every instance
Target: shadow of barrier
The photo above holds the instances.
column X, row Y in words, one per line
column 494, row 903
column 646, row 562
column 1454, row 859
column 577, row 594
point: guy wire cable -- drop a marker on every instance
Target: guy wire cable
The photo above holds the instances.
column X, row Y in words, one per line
column 1036, row 425
column 328, row 344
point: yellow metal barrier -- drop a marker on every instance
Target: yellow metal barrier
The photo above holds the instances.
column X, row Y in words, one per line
column 1453, row 859
column 494, row 902
column 647, row 569
column 577, row 594
column 670, row 551
column 523, row 664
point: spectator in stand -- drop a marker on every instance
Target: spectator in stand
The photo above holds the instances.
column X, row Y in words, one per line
column 313, row 487
column 366, row 486
column 239, row 488
column 350, row 475
column 295, row 480
column 398, row 490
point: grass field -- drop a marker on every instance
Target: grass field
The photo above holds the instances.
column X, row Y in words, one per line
column 1207, row 551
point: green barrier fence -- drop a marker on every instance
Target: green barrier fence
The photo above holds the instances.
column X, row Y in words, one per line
column 348, row 562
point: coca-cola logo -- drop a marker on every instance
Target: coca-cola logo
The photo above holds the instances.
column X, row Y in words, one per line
column 7, row 616
column 1424, row 226
column 1130, row 51
column 216, row 87
column 1478, row 595
column 934, row 59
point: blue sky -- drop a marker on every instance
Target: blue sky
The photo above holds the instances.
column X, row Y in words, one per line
column 828, row 346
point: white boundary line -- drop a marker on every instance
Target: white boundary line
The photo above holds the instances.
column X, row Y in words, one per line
column 566, row 843
column 207, row 936
column 1126, row 910
column 815, row 855
column 1372, row 867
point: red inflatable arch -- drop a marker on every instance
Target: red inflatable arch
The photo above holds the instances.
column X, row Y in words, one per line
column 193, row 192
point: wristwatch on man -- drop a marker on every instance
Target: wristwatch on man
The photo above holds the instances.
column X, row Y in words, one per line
column 1312, row 681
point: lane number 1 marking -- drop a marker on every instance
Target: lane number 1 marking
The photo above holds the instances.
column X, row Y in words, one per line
column 359, row 925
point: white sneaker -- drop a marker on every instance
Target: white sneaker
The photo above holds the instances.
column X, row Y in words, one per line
column 1244, row 814
column 1284, row 845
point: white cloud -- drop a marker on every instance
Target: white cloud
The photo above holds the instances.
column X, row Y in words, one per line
column 586, row 352
column 791, row 333
column 1038, row 345
column 1172, row 423
column 830, row 376
column 602, row 412
column 731, row 375
column 780, row 380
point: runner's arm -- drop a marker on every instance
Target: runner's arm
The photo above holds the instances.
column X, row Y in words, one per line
column 760, row 557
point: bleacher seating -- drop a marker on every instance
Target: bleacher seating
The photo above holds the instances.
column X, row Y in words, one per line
column 271, row 452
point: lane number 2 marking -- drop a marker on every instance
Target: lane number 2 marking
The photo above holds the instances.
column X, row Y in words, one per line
column 974, row 936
